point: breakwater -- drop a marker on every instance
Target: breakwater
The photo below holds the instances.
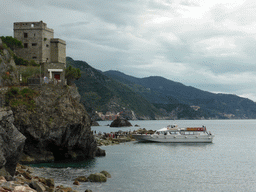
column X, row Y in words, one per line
column 113, row 138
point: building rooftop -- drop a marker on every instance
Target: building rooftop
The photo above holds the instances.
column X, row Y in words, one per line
column 31, row 25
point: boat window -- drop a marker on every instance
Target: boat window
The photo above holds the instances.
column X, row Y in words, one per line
column 189, row 133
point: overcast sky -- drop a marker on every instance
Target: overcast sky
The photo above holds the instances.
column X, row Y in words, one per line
column 210, row 45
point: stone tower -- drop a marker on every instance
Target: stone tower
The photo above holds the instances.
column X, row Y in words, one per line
column 41, row 46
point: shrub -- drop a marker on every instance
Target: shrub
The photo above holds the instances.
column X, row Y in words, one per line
column 12, row 42
column 12, row 93
column 14, row 98
column 72, row 74
column 20, row 61
column 33, row 63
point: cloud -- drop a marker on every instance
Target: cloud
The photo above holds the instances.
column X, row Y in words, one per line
column 111, row 11
column 206, row 44
column 75, row 24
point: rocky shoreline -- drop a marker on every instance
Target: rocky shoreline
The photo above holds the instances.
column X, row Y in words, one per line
column 104, row 139
column 57, row 127
column 25, row 180
column 42, row 124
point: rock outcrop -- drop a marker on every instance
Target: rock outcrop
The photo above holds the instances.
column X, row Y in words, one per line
column 26, row 181
column 120, row 122
column 57, row 128
column 97, row 177
column 11, row 143
column 8, row 69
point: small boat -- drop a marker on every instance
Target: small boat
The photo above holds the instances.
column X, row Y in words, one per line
column 173, row 134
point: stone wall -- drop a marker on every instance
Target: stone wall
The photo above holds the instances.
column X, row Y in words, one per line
column 58, row 51
column 50, row 69
column 40, row 46
column 35, row 37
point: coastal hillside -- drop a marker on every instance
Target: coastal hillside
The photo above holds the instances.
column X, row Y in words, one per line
column 103, row 94
column 107, row 94
column 173, row 93
column 107, row 97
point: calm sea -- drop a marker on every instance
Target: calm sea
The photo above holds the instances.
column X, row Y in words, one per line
column 227, row 164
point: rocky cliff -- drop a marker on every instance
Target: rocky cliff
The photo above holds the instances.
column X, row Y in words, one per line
column 8, row 69
column 56, row 125
column 11, row 143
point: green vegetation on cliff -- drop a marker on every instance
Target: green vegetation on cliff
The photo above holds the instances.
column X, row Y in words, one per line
column 72, row 74
column 101, row 93
column 16, row 97
column 11, row 42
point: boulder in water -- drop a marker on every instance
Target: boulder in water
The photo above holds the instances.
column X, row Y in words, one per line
column 81, row 179
column 120, row 122
column 97, row 177
column 107, row 174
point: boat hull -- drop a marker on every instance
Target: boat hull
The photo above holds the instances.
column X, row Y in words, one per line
column 174, row 139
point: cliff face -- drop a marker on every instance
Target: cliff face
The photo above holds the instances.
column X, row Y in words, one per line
column 57, row 127
column 8, row 71
column 11, row 143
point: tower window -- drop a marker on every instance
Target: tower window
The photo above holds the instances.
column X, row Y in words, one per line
column 47, row 45
column 25, row 45
column 34, row 44
column 34, row 57
column 32, row 25
column 25, row 35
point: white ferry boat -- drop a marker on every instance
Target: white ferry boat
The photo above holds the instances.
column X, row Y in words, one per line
column 173, row 134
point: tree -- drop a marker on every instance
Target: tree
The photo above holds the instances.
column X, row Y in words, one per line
column 11, row 42
column 71, row 74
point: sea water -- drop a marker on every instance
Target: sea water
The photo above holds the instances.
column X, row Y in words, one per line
column 227, row 164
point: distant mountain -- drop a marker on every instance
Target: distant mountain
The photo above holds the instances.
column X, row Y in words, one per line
column 113, row 92
column 164, row 93
column 104, row 94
